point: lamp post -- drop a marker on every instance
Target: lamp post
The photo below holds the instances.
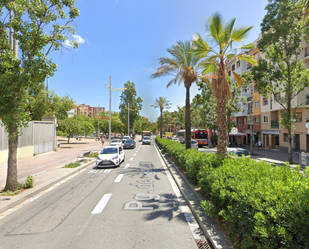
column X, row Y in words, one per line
column 129, row 117
column 110, row 105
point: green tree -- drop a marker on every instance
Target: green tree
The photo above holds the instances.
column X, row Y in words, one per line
column 34, row 29
column 129, row 96
column 222, row 36
column 184, row 67
column 70, row 126
column 283, row 72
column 166, row 121
column 161, row 103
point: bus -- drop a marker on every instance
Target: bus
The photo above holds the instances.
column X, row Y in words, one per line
column 200, row 135
column 146, row 133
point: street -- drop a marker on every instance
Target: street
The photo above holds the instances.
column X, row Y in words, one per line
column 133, row 206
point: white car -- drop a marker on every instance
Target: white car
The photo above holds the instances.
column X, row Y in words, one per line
column 125, row 138
column 194, row 144
column 238, row 153
column 115, row 142
column 175, row 139
column 110, row 156
column 146, row 140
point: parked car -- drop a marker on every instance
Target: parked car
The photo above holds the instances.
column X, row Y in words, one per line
column 194, row 144
column 125, row 138
column 238, row 153
column 146, row 140
column 115, row 142
column 110, row 156
column 175, row 139
column 129, row 144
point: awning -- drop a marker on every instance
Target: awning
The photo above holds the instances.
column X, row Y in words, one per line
column 253, row 132
column 237, row 134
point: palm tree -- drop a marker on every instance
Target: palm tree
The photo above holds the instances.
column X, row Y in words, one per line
column 215, row 63
column 161, row 103
column 183, row 66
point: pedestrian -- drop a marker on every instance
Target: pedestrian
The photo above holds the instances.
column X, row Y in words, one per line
column 76, row 137
column 80, row 137
column 260, row 145
column 102, row 140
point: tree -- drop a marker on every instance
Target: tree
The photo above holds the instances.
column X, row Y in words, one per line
column 215, row 64
column 183, row 66
column 129, row 96
column 283, row 72
column 161, row 103
column 166, row 121
column 26, row 32
column 70, row 126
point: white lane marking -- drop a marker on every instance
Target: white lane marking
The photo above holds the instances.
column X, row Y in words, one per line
column 136, row 151
column 119, row 177
column 131, row 159
column 107, row 170
column 85, row 225
column 102, row 203
column 184, row 208
column 127, row 166
column 134, row 154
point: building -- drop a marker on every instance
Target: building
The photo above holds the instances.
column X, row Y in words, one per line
column 88, row 110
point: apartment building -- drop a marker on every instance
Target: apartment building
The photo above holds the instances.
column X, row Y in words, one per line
column 88, row 110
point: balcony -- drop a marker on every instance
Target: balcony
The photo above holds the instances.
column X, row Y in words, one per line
column 274, row 124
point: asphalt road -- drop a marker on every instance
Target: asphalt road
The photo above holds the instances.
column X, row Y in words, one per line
column 133, row 206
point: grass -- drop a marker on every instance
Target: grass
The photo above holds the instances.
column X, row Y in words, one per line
column 72, row 165
column 21, row 187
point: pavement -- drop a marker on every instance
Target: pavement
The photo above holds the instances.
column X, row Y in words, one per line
column 48, row 168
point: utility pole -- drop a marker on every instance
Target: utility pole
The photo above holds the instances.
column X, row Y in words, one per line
column 128, row 119
column 98, row 120
column 110, row 110
column 250, row 112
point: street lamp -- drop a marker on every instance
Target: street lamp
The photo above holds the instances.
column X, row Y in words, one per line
column 110, row 105
column 129, row 117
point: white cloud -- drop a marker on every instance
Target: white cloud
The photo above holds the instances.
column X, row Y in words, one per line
column 79, row 39
column 76, row 38
column 149, row 70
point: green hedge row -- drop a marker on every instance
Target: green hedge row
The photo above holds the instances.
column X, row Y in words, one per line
column 265, row 206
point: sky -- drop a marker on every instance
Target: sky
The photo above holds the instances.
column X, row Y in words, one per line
column 124, row 39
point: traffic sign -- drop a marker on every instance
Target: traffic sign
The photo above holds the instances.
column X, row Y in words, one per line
column 307, row 125
column 234, row 131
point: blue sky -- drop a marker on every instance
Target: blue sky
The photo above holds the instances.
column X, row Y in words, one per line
column 125, row 38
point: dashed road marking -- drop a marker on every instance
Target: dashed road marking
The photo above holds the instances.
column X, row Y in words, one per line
column 102, row 204
column 119, row 177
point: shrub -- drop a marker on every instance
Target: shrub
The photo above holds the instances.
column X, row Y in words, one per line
column 72, row 165
column 94, row 154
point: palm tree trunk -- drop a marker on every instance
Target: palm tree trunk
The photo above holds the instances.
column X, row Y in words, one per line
column 161, row 124
column 188, row 117
column 11, row 180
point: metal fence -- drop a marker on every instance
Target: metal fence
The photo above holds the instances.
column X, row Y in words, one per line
column 39, row 134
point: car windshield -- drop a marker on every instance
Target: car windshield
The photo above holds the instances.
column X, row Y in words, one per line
column 109, row 151
column 193, row 142
column 115, row 141
column 126, row 137
column 146, row 138
column 129, row 142
column 240, row 153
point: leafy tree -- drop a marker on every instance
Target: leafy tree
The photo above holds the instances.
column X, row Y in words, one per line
column 129, row 96
column 161, row 103
column 86, row 126
column 222, row 36
column 34, row 30
column 283, row 72
column 70, row 126
column 184, row 67
column 166, row 121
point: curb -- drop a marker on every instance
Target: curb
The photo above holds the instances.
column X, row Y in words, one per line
column 37, row 189
column 212, row 232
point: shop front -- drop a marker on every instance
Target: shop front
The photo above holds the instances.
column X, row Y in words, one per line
column 271, row 139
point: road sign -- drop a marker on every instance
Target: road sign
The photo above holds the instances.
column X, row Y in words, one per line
column 234, row 131
column 307, row 125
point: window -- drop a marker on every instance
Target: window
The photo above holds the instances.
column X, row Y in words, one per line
column 256, row 104
column 265, row 119
column 257, row 120
column 249, row 99
column 265, row 101
column 239, row 121
column 285, row 137
column 277, row 97
column 298, row 117
column 244, row 121
column 229, row 73
column 233, row 67
column 237, row 64
column 256, row 55
column 255, row 90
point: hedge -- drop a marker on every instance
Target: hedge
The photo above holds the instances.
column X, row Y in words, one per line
column 265, row 206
